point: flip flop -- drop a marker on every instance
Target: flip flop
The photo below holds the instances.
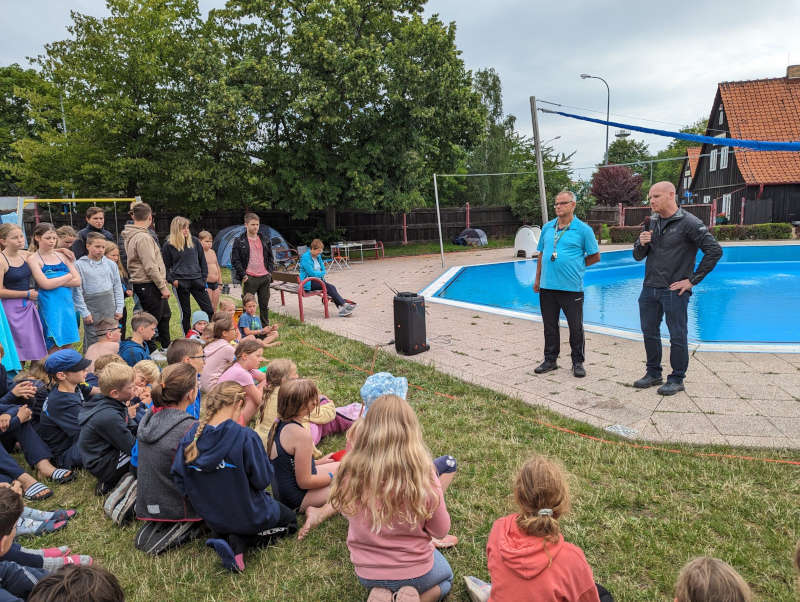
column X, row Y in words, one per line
column 51, row 526
column 63, row 514
column 37, row 492
column 61, row 476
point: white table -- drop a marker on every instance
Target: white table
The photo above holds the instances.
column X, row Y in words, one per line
column 344, row 249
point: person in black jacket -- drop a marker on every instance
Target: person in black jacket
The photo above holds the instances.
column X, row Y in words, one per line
column 187, row 269
column 108, row 427
column 669, row 241
column 253, row 263
column 95, row 220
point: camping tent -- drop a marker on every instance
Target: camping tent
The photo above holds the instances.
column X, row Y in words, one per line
column 223, row 243
column 472, row 236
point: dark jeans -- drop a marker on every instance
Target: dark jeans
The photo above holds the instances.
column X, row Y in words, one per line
column 657, row 303
column 552, row 303
column 153, row 303
column 333, row 294
column 197, row 289
column 70, row 459
column 33, row 448
column 259, row 286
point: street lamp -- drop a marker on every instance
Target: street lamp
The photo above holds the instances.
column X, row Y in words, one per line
column 608, row 104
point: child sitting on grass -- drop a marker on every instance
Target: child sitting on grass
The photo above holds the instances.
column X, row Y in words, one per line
column 78, row 584
column 169, row 520
column 527, row 556
column 100, row 363
column 706, row 579
column 199, row 325
column 249, row 355
column 189, row 351
column 387, row 489
column 134, row 349
column 36, row 375
column 298, row 482
column 325, row 420
column 223, row 470
column 219, row 353
column 108, row 427
column 249, row 322
column 146, row 373
column 108, row 336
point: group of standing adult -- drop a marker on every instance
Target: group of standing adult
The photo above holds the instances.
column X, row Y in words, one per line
column 669, row 242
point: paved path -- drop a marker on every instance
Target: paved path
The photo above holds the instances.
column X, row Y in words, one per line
column 747, row 399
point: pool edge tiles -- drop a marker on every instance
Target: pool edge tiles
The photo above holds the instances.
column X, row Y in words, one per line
column 441, row 283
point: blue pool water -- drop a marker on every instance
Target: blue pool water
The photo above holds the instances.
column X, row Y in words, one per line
column 752, row 296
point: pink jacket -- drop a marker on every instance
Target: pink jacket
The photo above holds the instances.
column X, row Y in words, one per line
column 219, row 357
column 397, row 552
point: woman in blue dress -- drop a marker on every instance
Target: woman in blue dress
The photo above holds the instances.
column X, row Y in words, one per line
column 54, row 276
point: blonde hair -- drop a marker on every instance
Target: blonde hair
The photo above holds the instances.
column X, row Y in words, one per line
column 228, row 302
column 389, row 471
column 541, row 486
column 104, row 360
column 114, row 376
column 176, row 236
column 293, row 397
column 317, row 244
column 5, row 230
column 277, row 371
column 707, row 579
column 110, row 248
column 221, row 395
column 34, row 370
column 149, row 369
column 66, row 231
column 204, row 235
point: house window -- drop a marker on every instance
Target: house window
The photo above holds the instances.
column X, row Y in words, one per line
column 687, row 181
column 726, row 205
column 706, row 199
column 721, row 115
column 723, row 157
column 687, row 172
column 712, row 161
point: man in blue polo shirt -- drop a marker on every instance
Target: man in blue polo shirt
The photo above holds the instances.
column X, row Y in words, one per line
column 566, row 247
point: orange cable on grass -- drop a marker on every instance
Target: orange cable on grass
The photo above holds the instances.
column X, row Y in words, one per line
column 572, row 432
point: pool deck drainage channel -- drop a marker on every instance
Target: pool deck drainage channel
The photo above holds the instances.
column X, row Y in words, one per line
column 742, row 399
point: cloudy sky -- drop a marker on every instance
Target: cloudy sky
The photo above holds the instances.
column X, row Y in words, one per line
column 662, row 60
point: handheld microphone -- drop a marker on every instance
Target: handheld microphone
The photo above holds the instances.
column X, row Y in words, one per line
column 647, row 223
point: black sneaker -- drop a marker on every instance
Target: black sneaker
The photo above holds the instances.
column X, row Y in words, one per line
column 578, row 370
column 670, row 388
column 648, row 380
column 545, row 366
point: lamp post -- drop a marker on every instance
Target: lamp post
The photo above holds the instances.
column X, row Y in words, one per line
column 608, row 105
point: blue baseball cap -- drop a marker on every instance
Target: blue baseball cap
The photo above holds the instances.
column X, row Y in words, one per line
column 65, row 360
column 382, row 383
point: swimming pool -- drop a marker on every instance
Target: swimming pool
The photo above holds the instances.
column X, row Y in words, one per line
column 749, row 302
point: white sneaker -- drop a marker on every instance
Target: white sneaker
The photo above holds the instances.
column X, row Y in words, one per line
column 479, row 591
column 345, row 311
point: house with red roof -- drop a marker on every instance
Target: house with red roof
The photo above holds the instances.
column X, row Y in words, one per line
column 687, row 173
column 750, row 186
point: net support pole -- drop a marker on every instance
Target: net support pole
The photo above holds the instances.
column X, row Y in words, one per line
column 438, row 217
column 538, row 141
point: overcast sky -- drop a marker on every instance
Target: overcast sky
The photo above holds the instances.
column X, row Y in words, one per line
column 662, row 60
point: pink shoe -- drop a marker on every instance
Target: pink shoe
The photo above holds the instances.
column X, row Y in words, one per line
column 78, row 559
column 55, row 552
column 406, row 594
column 381, row 594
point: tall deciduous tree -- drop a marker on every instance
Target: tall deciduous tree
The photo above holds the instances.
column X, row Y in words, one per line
column 525, row 197
column 624, row 151
column 617, row 184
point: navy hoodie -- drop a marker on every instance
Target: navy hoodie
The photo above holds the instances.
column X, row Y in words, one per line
column 133, row 352
column 106, row 431
column 226, row 482
column 58, row 423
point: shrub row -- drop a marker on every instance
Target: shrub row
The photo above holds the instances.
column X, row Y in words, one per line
column 628, row 234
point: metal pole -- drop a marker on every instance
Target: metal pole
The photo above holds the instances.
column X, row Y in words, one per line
column 438, row 217
column 608, row 112
column 539, row 168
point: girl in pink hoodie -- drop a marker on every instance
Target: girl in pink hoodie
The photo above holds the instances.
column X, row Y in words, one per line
column 527, row 555
column 388, row 490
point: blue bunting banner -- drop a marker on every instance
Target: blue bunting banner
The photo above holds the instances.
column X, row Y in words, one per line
column 758, row 145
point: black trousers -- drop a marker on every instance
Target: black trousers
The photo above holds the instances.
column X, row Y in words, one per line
column 552, row 303
column 153, row 303
column 259, row 286
column 197, row 289
column 333, row 294
column 285, row 525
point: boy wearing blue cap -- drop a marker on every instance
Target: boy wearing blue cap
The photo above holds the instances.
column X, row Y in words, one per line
column 108, row 427
column 58, row 424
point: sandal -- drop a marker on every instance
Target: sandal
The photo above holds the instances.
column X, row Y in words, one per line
column 61, row 476
column 63, row 514
column 50, row 526
column 448, row 541
column 37, row 492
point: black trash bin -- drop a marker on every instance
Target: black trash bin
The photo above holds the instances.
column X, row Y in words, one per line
column 409, row 324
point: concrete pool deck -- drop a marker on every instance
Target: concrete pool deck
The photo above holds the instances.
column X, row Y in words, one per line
column 743, row 399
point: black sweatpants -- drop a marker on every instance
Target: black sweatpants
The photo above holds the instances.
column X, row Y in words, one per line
column 197, row 289
column 552, row 303
column 285, row 525
column 153, row 303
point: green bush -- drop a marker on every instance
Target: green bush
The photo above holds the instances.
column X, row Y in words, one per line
column 753, row 232
column 605, row 232
column 623, row 234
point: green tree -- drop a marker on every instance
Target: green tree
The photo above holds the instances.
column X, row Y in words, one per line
column 624, row 150
column 525, row 196
column 670, row 170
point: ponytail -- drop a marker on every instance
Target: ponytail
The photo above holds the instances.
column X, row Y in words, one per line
column 177, row 381
column 542, row 493
column 221, row 395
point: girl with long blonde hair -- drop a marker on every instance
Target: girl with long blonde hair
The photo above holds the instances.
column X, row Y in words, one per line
column 388, row 490
column 222, row 468
column 187, row 269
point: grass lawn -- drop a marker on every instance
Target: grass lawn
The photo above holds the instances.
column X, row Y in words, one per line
column 425, row 248
column 638, row 514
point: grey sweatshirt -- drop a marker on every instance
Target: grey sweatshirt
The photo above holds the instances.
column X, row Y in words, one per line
column 97, row 277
